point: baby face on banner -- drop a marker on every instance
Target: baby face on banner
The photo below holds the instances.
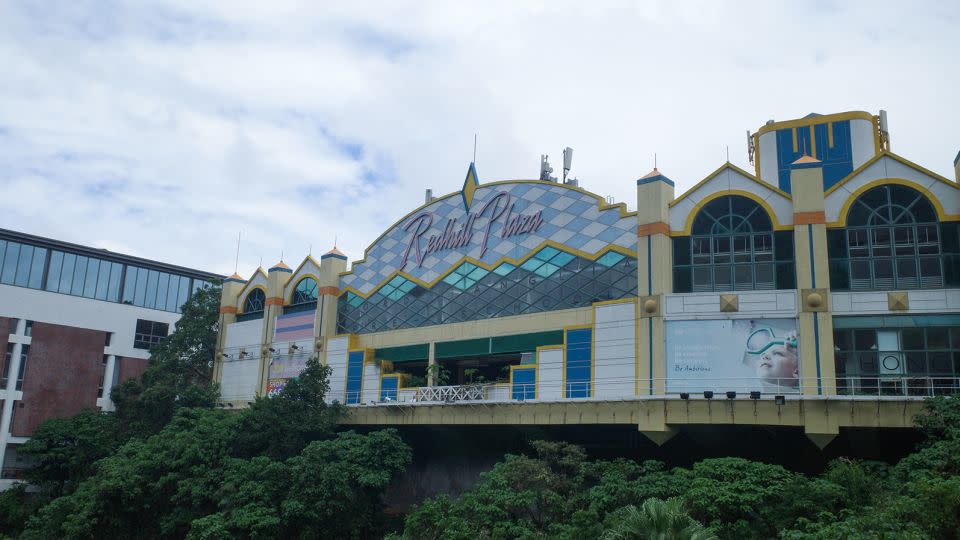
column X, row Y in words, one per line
column 774, row 359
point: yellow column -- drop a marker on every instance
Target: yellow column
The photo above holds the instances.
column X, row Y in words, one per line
column 277, row 278
column 654, row 278
column 332, row 264
column 815, row 322
column 229, row 297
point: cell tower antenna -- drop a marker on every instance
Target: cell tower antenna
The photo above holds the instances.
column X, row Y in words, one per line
column 654, row 161
column 728, row 153
column 474, row 148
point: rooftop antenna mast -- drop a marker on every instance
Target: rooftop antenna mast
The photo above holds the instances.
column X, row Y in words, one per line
column 474, row 148
column 236, row 263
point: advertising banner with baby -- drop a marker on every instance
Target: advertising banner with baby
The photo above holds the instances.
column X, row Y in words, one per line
column 739, row 355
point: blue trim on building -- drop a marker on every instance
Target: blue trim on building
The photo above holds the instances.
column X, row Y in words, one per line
column 657, row 178
column 280, row 269
column 334, row 255
column 579, row 363
column 389, row 387
column 523, row 383
column 354, row 386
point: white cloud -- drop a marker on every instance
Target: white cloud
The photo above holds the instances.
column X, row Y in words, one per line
column 162, row 129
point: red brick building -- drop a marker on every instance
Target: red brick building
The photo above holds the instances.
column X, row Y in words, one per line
column 74, row 322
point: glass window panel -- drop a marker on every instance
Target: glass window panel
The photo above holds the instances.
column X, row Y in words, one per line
column 883, row 269
column 184, row 292
column 3, row 253
column 865, row 340
column 90, row 284
column 141, row 291
column 113, row 289
column 150, row 300
column 857, row 243
column 36, row 269
column 53, row 275
column 937, row 338
column 764, row 276
column 741, row 249
column 173, row 289
column 903, row 240
column 744, row 277
column 9, row 272
column 103, row 280
column 912, row 339
column 66, row 275
column 79, row 276
column 907, row 268
column 130, row 285
column 702, row 279
column 161, row 302
column 23, row 266
column 723, row 278
column 721, row 249
column 881, row 242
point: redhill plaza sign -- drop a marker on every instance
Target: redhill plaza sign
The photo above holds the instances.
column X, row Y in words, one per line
column 456, row 236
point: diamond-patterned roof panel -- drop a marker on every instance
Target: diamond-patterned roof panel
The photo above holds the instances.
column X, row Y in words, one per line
column 570, row 217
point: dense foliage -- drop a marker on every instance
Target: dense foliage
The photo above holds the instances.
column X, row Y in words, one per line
column 169, row 464
column 559, row 493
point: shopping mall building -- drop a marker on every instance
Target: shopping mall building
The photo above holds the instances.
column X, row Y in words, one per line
column 818, row 290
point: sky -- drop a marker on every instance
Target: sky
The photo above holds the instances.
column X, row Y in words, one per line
column 165, row 129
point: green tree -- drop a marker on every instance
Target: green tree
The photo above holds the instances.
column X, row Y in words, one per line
column 63, row 450
column 656, row 520
column 179, row 374
column 281, row 426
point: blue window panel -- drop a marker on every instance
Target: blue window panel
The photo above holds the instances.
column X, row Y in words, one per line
column 103, row 280
column 129, row 285
column 66, row 275
column 388, row 388
column 162, row 292
column 578, row 363
column 503, row 269
column 562, row 258
column 173, row 289
column 9, row 272
column 547, row 253
column 113, row 289
column 153, row 279
column 184, row 292
column 3, row 253
column 524, row 384
column 610, row 258
column 354, row 300
column 23, row 266
column 90, row 283
column 354, row 377
column 141, row 291
column 53, row 275
column 36, row 269
column 79, row 276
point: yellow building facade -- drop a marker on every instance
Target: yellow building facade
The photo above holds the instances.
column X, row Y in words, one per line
column 819, row 290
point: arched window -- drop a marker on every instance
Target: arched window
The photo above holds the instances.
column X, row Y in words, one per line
column 732, row 247
column 254, row 302
column 892, row 241
column 305, row 292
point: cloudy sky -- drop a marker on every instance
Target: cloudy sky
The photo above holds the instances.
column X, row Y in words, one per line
column 163, row 129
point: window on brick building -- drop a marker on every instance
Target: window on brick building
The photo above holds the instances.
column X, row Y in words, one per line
column 24, row 352
column 13, row 326
column 149, row 333
column 28, row 329
column 7, row 360
column 103, row 372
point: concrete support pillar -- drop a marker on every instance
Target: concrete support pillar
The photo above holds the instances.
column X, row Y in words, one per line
column 815, row 322
column 332, row 264
column 654, row 278
column 229, row 297
column 431, row 362
column 813, row 278
column 277, row 278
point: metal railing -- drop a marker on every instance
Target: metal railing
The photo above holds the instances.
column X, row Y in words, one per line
column 629, row 389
